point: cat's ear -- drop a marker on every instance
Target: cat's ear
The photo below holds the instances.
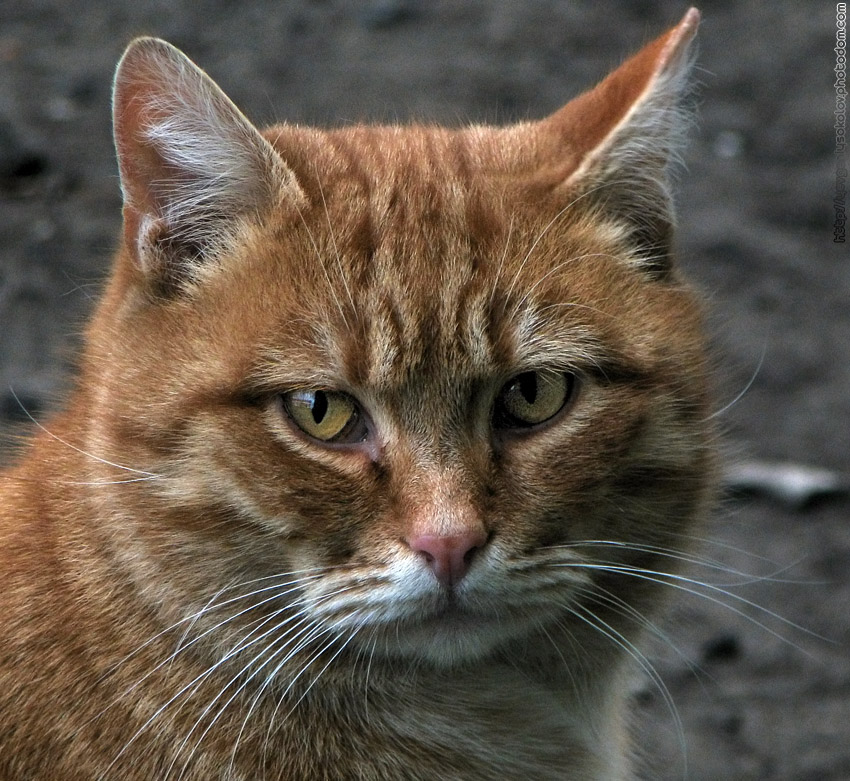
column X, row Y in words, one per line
column 625, row 135
column 191, row 165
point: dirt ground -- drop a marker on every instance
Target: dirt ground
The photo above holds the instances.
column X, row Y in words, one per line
column 760, row 679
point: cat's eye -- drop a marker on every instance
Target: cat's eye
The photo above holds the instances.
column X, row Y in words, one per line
column 329, row 416
column 532, row 398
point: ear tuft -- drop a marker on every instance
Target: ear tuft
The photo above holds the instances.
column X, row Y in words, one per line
column 191, row 164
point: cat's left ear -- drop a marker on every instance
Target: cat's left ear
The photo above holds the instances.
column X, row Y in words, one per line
column 192, row 166
column 622, row 137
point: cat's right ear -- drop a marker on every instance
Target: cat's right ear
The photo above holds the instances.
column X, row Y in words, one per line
column 191, row 165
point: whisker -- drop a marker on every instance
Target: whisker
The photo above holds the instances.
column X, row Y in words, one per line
column 322, row 265
column 753, row 578
column 585, row 194
column 726, row 407
column 330, row 661
column 343, row 645
column 622, row 607
column 294, row 679
column 342, row 274
column 598, row 624
column 554, row 270
column 567, row 666
column 109, row 482
column 302, row 637
column 194, row 685
column 573, row 304
column 67, row 444
column 269, row 650
column 193, row 617
column 684, row 583
column 498, row 275
column 181, row 647
column 371, row 658
column 685, row 557
column 716, row 543
column 243, row 644
column 205, row 609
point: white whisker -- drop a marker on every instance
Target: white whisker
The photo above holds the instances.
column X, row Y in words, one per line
column 293, row 633
column 323, row 266
column 594, row 621
column 726, row 407
column 504, row 256
column 315, row 677
column 342, row 274
column 147, row 475
column 193, row 617
column 686, row 558
column 692, row 586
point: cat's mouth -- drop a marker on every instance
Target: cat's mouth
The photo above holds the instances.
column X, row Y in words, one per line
column 444, row 624
column 450, row 631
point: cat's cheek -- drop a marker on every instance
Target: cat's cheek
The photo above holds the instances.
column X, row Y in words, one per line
column 234, row 465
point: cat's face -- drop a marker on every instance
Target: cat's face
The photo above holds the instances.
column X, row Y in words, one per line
column 434, row 401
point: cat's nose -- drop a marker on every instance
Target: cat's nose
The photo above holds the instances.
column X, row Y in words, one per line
column 448, row 556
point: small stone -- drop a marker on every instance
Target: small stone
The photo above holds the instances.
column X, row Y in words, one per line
column 17, row 162
column 19, row 407
column 382, row 14
column 723, row 648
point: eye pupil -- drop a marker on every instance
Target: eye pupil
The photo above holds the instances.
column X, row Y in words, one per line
column 528, row 386
column 320, row 406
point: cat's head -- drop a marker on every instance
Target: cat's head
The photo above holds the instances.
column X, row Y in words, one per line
column 427, row 390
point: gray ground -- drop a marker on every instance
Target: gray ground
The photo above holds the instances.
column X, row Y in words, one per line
column 769, row 702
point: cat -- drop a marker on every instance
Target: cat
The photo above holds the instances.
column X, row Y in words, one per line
column 385, row 447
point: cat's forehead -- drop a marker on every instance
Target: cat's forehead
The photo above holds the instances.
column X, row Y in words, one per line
column 373, row 155
column 417, row 258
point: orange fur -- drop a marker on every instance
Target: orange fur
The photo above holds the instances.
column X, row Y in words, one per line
column 196, row 588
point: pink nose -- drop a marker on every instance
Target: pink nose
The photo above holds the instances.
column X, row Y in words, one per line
column 448, row 556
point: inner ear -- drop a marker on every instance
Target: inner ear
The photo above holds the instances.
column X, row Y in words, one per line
column 168, row 257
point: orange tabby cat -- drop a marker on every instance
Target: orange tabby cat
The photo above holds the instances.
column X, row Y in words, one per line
column 382, row 441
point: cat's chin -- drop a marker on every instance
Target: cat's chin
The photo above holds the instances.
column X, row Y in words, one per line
column 443, row 647
column 450, row 639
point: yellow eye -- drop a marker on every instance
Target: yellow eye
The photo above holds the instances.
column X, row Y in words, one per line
column 329, row 416
column 533, row 397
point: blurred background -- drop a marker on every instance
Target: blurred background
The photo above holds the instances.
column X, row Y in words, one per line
column 760, row 677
